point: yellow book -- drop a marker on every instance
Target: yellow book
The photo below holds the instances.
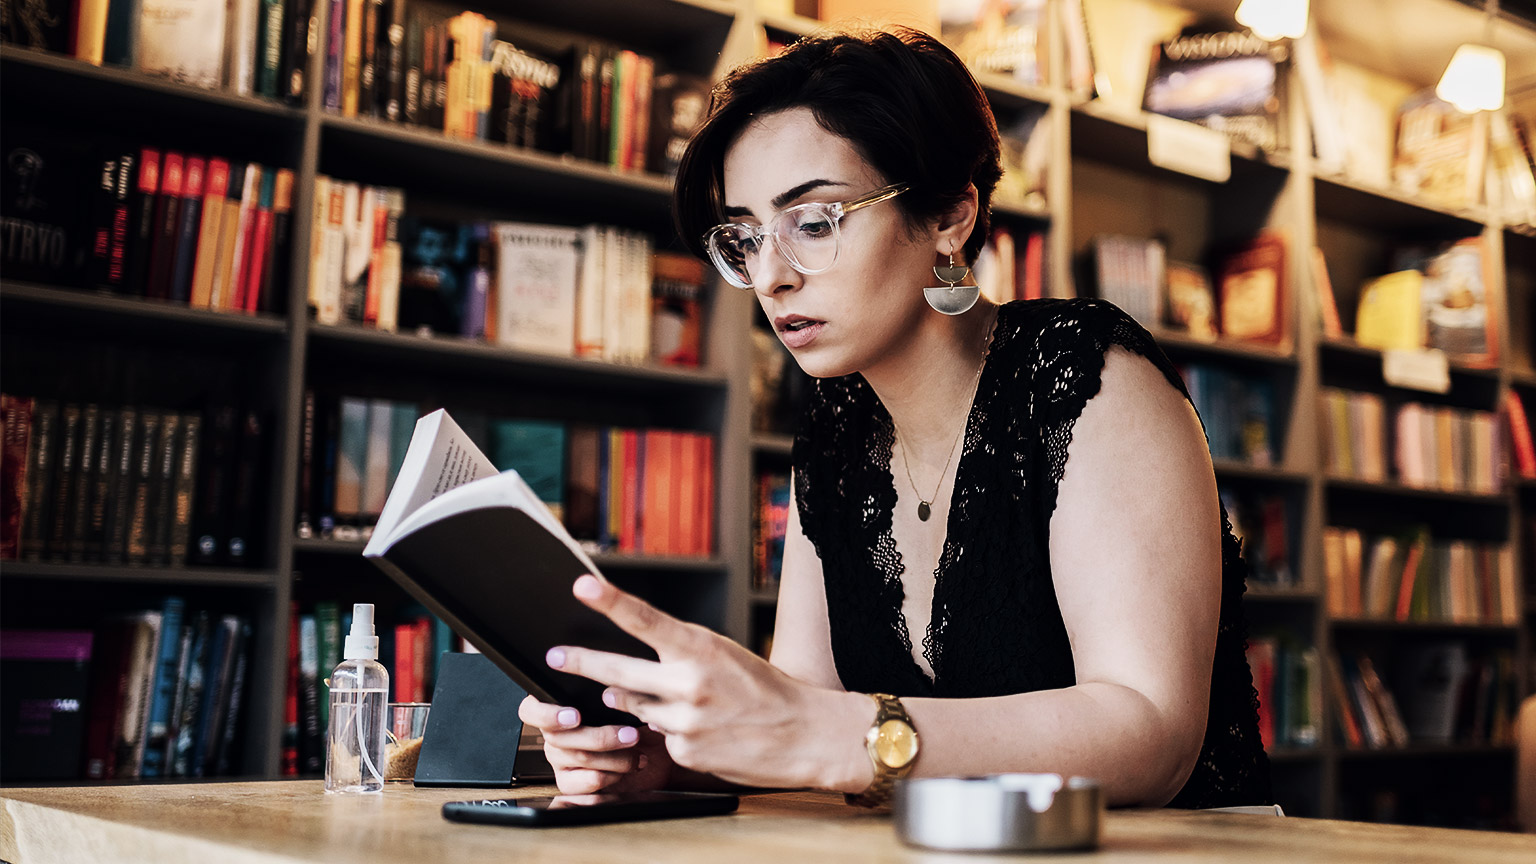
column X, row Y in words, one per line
column 1389, row 315
column 90, row 30
column 208, row 234
column 224, row 267
column 319, row 205
column 352, row 58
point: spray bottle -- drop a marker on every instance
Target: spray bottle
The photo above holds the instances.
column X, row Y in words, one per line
column 359, row 688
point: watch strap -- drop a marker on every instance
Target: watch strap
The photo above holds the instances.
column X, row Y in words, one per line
column 888, row 707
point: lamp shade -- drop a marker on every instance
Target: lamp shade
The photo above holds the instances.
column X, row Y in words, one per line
column 1274, row 19
column 1475, row 79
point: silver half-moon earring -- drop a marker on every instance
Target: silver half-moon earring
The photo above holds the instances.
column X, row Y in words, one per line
column 952, row 298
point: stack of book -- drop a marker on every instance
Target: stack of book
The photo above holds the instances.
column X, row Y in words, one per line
column 1432, row 446
column 204, row 232
column 642, row 491
column 1412, row 577
column 1237, row 409
column 136, row 485
column 1285, row 676
column 1442, row 692
column 157, row 693
column 597, row 291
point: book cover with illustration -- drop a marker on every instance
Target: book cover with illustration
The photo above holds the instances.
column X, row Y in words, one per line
column 1227, row 80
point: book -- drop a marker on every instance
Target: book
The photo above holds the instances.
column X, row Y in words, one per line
column 1441, row 152
column 536, row 283
column 1230, row 81
column 1000, row 38
column 183, row 40
column 1253, row 286
column 449, row 525
column 163, row 690
column 677, row 318
column 1389, row 312
column 1191, row 303
column 1458, row 317
column 1322, row 288
column 44, row 705
column 16, row 416
column 42, row 196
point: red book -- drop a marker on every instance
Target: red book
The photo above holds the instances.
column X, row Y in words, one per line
column 656, row 498
column 375, row 258
column 261, row 239
column 629, row 506
column 1520, row 433
column 250, row 195
column 685, row 533
column 109, row 680
column 1034, row 265
column 707, row 495
column 291, row 699
column 1261, row 659
column 1410, row 575
column 117, row 256
column 167, row 222
column 422, row 658
column 405, row 663
column 16, row 415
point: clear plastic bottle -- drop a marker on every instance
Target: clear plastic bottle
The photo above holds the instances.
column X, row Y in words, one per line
column 359, row 694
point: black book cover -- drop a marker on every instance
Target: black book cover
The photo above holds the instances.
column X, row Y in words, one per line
column 103, row 197
column 215, row 698
column 188, row 226
column 65, row 477
column 367, row 69
column 162, row 492
column 183, row 490
column 276, row 270
column 117, row 259
column 229, row 748
column 439, row 47
column 189, row 696
column 167, row 228
column 44, row 205
column 306, row 525
column 141, row 500
column 299, row 44
column 209, row 525
column 523, row 95
column 393, row 63
column 327, row 435
column 101, row 485
column 311, row 743
column 141, row 221
column 120, row 507
column 410, row 104
column 456, row 568
column 245, row 475
column 42, row 24
column 42, row 447
column 85, row 482
column 44, row 702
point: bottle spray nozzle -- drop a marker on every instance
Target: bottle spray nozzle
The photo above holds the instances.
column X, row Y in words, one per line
column 361, row 643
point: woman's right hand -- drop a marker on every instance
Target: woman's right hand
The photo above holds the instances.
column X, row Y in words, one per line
column 597, row 758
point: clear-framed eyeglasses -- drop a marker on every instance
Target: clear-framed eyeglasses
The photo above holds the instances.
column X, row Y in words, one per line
column 805, row 235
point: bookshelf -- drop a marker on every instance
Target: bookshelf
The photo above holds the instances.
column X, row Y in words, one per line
column 1099, row 180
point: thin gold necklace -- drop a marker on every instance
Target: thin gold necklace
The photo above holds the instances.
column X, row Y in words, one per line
column 925, row 505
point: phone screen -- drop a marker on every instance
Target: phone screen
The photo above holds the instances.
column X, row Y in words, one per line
column 589, row 809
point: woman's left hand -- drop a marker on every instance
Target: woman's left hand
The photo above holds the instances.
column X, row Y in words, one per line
column 723, row 710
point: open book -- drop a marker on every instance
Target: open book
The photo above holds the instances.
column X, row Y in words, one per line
column 481, row 551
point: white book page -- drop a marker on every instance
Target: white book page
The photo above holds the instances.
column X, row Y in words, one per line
column 440, row 458
column 507, row 489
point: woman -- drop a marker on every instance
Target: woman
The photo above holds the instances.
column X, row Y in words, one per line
column 1005, row 551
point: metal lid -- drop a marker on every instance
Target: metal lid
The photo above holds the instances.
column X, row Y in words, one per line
column 999, row 812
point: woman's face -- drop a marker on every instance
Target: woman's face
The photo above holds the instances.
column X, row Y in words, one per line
column 856, row 313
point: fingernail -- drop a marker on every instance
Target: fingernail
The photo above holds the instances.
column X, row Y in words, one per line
column 628, row 735
column 654, row 728
column 641, row 761
column 567, row 716
column 609, row 700
column 555, row 658
column 588, row 587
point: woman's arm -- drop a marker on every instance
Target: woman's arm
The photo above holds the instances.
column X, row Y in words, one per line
column 1135, row 554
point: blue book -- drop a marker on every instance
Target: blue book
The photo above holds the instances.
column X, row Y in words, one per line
column 402, row 426
column 121, row 45
column 163, row 692
column 187, row 230
column 216, row 677
column 536, row 450
column 351, row 458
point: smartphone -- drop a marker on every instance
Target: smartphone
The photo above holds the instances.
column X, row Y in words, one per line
column 589, row 809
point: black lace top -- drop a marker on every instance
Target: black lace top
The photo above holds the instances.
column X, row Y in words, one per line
column 996, row 628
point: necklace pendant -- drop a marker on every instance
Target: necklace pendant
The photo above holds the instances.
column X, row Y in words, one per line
column 923, row 510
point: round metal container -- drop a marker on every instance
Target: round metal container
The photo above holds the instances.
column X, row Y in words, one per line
column 999, row 813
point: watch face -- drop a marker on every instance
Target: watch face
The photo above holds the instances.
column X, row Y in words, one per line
column 896, row 743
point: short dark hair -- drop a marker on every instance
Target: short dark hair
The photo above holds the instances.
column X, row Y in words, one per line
column 903, row 100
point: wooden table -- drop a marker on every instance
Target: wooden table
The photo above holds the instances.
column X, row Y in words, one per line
column 294, row 821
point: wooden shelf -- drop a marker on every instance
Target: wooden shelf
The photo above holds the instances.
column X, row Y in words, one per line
column 1021, row 211
column 1296, row 754
column 1422, row 751
column 213, row 577
column 1343, row 199
column 1265, row 594
column 132, row 319
column 1446, row 627
column 764, row 596
column 1398, row 490
column 1232, row 469
column 1349, row 353
column 1175, row 342
column 1118, row 137
column 24, row 67
column 452, row 353
column 1523, row 378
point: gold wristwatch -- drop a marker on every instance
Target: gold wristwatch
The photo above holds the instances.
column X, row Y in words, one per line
column 892, row 744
